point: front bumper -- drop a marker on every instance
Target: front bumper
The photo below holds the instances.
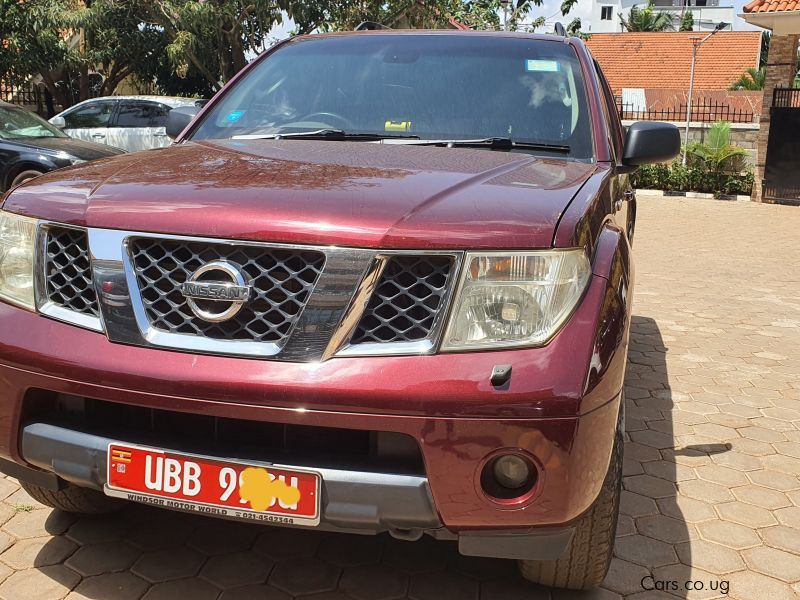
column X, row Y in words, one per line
column 553, row 409
column 353, row 501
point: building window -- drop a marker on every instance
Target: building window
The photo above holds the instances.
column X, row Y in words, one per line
column 606, row 13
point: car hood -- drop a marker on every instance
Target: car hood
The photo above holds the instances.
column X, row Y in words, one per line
column 317, row 192
column 75, row 148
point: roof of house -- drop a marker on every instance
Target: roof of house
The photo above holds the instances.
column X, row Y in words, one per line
column 771, row 6
column 664, row 60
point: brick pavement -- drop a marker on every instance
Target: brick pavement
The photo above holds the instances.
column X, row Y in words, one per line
column 712, row 488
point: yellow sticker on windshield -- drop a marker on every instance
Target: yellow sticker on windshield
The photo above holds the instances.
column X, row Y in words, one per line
column 397, row 126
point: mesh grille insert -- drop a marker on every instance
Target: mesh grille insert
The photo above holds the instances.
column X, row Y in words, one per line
column 68, row 273
column 282, row 280
column 407, row 299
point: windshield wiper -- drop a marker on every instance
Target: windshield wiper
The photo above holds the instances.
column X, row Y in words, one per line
column 495, row 143
column 323, row 134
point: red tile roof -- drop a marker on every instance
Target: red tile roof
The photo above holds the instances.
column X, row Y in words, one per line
column 771, row 6
column 664, row 60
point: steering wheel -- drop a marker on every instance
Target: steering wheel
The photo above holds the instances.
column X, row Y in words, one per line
column 348, row 124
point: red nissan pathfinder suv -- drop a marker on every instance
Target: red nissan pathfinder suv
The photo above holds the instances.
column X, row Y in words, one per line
column 380, row 283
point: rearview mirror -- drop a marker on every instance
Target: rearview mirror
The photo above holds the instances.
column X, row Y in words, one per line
column 179, row 118
column 58, row 122
column 650, row 142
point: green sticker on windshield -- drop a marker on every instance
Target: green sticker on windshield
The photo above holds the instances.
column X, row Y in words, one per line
column 542, row 66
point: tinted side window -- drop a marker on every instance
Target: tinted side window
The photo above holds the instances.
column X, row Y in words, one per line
column 142, row 114
column 95, row 114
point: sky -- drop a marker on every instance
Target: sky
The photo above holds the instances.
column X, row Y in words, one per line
column 550, row 10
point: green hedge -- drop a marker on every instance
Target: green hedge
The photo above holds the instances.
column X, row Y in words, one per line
column 679, row 178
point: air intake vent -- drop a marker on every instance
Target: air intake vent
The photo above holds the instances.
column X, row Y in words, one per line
column 406, row 301
column 68, row 274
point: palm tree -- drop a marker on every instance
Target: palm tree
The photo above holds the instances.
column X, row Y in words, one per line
column 687, row 21
column 647, row 19
column 752, row 79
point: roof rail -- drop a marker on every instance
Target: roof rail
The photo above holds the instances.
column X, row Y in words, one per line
column 559, row 29
column 370, row 26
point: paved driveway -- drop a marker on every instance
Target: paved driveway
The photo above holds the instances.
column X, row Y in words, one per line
column 712, row 494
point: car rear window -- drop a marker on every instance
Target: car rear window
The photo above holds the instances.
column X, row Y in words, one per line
column 428, row 85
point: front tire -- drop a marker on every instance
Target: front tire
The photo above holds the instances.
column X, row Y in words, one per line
column 73, row 499
column 585, row 562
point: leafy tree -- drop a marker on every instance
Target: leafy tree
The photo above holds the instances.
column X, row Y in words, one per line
column 752, row 79
column 68, row 42
column 647, row 19
column 687, row 21
column 211, row 36
column 489, row 14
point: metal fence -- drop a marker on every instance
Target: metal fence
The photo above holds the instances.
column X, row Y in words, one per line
column 786, row 98
column 703, row 111
column 27, row 93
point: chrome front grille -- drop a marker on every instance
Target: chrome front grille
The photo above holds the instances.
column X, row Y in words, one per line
column 282, row 280
column 68, row 276
column 406, row 300
column 293, row 303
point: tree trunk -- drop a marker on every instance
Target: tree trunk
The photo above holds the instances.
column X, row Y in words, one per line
column 55, row 92
column 239, row 61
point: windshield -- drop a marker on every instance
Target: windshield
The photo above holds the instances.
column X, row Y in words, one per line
column 20, row 123
column 429, row 86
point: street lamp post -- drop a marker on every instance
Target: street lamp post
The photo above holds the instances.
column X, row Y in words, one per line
column 696, row 43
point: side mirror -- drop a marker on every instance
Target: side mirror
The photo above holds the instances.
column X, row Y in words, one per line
column 58, row 121
column 650, row 142
column 179, row 118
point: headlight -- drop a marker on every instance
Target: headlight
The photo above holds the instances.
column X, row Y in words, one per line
column 17, row 241
column 515, row 299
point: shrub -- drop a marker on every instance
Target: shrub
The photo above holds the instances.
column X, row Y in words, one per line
column 714, row 167
column 691, row 178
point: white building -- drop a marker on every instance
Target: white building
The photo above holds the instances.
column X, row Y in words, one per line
column 707, row 13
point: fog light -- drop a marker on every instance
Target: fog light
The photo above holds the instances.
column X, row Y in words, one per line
column 509, row 478
column 511, row 471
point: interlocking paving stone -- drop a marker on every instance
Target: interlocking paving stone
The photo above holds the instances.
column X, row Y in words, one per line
column 374, row 583
column 645, row 551
column 164, row 565
column 241, row 568
column 750, row 585
column 761, row 496
column 190, row 587
column 746, row 514
column 37, row 522
column 116, row 586
column 782, row 537
column 254, row 592
column 665, row 528
column 106, row 557
column 773, row 562
column 305, row 576
column 709, row 556
column 442, row 586
column 358, row 550
column 286, row 545
column 729, row 534
column 712, row 490
column 39, row 583
column 38, row 552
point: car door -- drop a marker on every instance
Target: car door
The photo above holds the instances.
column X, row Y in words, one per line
column 90, row 121
column 623, row 195
column 140, row 125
